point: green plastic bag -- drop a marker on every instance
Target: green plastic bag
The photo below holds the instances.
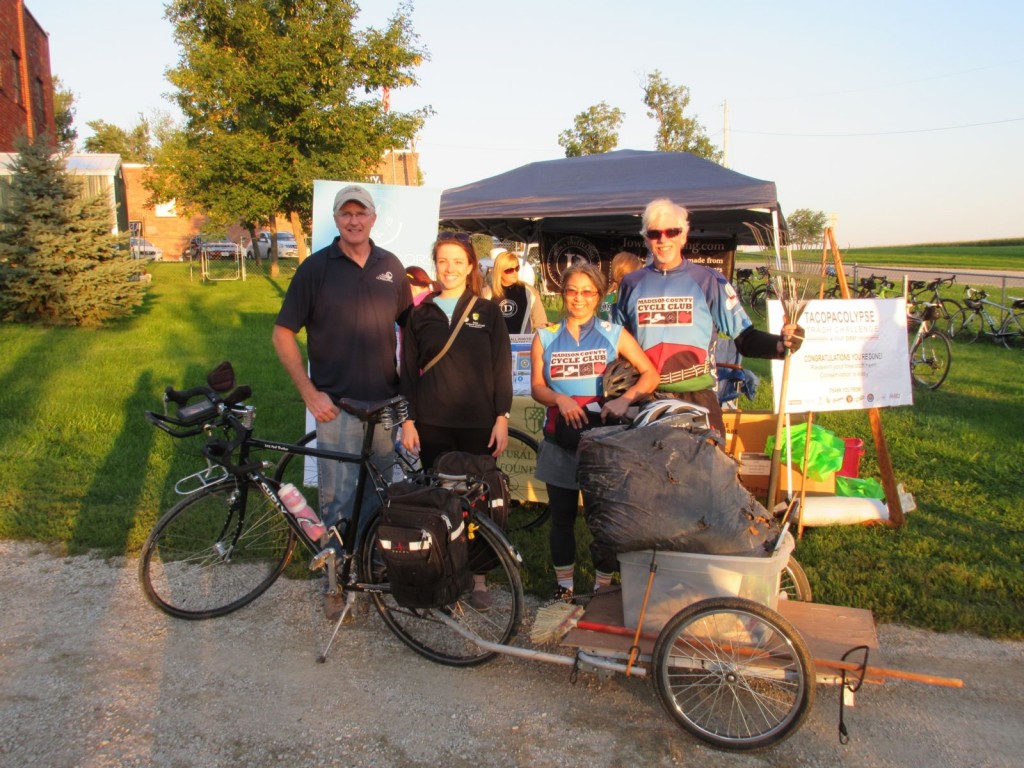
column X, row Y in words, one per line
column 825, row 456
column 864, row 487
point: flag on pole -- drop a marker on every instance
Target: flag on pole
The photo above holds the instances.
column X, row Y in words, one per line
column 386, row 99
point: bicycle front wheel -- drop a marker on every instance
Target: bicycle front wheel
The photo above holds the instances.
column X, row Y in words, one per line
column 758, row 301
column 215, row 551
column 519, row 463
column 930, row 360
column 947, row 310
column 426, row 632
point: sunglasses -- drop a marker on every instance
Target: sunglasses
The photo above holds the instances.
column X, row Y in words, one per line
column 655, row 234
column 461, row 237
column 586, row 293
column 510, row 270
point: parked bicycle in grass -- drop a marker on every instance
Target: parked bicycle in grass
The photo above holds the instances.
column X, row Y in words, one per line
column 225, row 544
column 746, row 284
column 931, row 352
column 926, row 294
column 874, row 287
column 975, row 320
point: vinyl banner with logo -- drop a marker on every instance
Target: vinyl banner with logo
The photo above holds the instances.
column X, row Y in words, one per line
column 406, row 219
column 559, row 252
column 406, row 225
column 854, row 356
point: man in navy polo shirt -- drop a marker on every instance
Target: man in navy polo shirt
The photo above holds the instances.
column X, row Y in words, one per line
column 348, row 296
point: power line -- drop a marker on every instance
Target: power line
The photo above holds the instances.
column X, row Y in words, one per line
column 876, row 133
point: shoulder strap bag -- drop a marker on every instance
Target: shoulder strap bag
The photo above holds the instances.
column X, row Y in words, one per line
column 451, row 338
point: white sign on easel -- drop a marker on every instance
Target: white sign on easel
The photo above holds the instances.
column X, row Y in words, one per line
column 854, row 356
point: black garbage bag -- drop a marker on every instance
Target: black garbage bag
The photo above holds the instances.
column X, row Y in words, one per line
column 664, row 487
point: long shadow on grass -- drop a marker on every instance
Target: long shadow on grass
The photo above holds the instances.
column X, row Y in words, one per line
column 108, row 507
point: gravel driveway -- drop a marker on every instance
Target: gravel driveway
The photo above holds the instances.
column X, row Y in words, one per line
column 94, row 676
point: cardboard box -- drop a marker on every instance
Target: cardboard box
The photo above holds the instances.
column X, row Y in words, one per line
column 746, row 434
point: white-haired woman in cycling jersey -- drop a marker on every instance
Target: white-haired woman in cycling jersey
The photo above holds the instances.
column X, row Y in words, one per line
column 568, row 362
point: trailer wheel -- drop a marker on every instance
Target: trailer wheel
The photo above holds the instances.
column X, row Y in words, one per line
column 734, row 673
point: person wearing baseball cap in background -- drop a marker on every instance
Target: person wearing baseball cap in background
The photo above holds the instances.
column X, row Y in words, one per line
column 348, row 296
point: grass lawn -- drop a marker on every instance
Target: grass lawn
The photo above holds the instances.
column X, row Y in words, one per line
column 80, row 465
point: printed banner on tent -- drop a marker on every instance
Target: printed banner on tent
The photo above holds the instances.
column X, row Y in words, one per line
column 854, row 356
column 559, row 252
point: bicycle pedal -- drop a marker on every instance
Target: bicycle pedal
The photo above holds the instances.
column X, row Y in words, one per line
column 322, row 559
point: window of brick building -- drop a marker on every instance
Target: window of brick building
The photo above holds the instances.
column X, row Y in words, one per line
column 40, row 107
column 18, row 97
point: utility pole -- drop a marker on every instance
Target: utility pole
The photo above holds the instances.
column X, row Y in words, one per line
column 725, row 134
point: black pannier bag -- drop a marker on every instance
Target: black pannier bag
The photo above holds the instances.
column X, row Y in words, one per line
column 459, row 464
column 664, row 487
column 422, row 538
column 454, row 468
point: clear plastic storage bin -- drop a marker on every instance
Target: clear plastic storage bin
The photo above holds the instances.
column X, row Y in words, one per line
column 683, row 578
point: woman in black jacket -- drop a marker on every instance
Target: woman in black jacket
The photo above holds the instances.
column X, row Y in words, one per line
column 459, row 400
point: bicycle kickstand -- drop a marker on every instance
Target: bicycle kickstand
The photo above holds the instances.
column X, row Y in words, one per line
column 327, row 558
column 350, row 600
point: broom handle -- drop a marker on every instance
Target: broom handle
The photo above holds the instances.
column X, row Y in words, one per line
column 773, row 471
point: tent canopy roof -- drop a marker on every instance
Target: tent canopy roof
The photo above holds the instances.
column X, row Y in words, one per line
column 607, row 194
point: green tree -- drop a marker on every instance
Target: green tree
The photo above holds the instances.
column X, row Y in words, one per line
column 593, row 132
column 59, row 264
column 667, row 104
column 64, row 116
column 134, row 145
column 805, row 228
column 276, row 94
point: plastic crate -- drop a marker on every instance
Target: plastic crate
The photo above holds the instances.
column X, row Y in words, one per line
column 683, row 578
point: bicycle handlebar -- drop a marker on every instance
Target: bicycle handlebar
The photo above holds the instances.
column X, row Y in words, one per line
column 190, row 419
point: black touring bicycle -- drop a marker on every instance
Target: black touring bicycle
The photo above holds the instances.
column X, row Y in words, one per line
column 737, row 673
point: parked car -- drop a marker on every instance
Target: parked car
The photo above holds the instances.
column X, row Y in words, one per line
column 287, row 247
column 143, row 249
column 214, row 249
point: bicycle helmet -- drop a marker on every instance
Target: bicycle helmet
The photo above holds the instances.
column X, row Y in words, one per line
column 663, row 409
column 619, row 376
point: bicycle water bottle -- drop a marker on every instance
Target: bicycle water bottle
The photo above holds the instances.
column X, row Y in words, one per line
column 295, row 503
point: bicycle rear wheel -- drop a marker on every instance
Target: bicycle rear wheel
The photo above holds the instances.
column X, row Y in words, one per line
column 1012, row 331
column 423, row 629
column 519, row 463
column 930, row 360
column 966, row 326
column 215, row 551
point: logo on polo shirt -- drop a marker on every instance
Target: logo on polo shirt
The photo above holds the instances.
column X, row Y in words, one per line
column 387, row 277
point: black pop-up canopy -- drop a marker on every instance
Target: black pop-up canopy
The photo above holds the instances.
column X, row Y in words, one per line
column 605, row 195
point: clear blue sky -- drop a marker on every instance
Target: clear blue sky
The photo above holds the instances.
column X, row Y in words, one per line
column 905, row 119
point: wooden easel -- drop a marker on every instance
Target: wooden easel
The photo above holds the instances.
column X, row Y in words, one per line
column 892, row 496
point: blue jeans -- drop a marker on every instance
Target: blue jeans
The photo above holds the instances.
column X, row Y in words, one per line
column 338, row 480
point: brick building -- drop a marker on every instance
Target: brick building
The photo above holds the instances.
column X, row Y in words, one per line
column 26, row 86
column 170, row 229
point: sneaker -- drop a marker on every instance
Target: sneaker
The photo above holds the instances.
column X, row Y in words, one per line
column 563, row 593
column 481, row 600
column 334, row 605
